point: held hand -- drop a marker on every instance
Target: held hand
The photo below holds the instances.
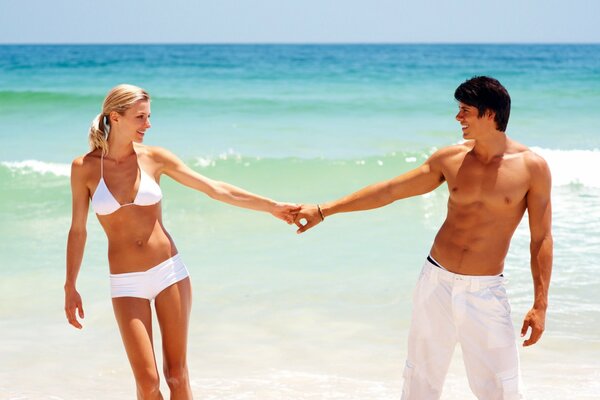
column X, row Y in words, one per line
column 286, row 211
column 536, row 319
column 309, row 213
column 72, row 304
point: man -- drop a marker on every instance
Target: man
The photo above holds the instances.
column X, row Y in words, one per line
column 460, row 295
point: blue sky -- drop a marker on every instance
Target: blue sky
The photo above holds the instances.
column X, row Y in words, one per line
column 306, row 21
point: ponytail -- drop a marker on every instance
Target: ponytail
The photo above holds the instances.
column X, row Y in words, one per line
column 99, row 134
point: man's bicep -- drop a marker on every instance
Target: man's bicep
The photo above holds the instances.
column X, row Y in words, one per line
column 539, row 203
column 420, row 180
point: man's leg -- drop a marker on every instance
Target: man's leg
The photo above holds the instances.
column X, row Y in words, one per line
column 489, row 347
column 431, row 340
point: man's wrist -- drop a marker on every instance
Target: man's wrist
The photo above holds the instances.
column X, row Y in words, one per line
column 325, row 210
column 320, row 211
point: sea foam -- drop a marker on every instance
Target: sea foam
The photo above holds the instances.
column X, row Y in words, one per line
column 572, row 167
column 36, row 166
column 568, row 167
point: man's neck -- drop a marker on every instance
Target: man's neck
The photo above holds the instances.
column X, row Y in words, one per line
column 491, row 148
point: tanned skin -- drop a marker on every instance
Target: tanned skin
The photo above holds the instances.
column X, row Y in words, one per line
column 492, row 180
column 137, row 241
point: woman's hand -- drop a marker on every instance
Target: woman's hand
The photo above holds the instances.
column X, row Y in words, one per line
column 73, row 305
column 286, row 211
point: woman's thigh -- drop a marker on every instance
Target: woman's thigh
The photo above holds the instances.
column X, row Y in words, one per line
column 134, row 317
column 173, row 306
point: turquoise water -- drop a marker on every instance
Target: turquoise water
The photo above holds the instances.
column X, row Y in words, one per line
column 323, row 315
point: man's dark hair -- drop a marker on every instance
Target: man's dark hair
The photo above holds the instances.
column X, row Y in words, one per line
column 485, row 94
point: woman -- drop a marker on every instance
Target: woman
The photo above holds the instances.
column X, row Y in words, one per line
column 120, row 177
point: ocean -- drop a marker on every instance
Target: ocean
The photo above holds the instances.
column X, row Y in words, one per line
column 323, row 315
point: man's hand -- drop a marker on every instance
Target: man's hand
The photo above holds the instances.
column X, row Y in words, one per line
column 309, row 213
column 536, row 319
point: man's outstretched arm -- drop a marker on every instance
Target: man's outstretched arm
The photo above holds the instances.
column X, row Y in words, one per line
column 423, row 179
column 540, row 225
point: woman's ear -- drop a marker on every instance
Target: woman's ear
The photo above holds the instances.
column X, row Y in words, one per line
column 114, row 117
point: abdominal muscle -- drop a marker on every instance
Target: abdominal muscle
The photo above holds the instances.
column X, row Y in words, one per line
column 475, row 242
column 137, row 240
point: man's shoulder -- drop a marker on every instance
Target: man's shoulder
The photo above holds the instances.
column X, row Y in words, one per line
column 449, row 153
column 530, row 157
column 455, row 149
column 535, row 164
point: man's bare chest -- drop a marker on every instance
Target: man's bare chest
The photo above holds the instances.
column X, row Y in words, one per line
column 496, row 185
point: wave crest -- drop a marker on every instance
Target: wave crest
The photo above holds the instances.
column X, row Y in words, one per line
column 572, row 167
column 39, row 167
column 568, row 167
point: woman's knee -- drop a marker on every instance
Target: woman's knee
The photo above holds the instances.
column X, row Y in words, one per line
column 176, row 375
column 148, row 385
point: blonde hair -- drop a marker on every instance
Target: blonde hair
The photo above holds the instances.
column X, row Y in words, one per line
column 119, row 99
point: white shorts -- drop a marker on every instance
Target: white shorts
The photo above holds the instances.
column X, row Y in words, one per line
column 148, row 284
column 471, row 310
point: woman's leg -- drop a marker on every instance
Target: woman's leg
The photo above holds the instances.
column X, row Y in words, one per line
column 134, row 317
column 173, row 306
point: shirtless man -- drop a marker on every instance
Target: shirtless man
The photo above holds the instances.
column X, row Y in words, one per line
column 460, row 295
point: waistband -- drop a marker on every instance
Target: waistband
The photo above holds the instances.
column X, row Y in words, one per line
column 437, row 271
column 175, row 260
column 432, row 261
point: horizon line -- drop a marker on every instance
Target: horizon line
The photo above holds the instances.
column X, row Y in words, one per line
column 286, row 43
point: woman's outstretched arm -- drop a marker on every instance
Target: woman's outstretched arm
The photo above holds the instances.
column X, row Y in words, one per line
column 173, row 167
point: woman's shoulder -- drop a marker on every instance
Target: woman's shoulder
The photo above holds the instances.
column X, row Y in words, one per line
column 156, row 153
column 86, row 162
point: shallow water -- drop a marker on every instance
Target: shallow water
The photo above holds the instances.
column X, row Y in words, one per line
column 323, row 315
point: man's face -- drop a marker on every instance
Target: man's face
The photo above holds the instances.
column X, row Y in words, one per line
column 472, row 125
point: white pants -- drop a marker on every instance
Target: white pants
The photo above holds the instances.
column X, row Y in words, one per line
column 471, row 310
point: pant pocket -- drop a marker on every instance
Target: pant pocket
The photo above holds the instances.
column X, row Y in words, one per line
column 425, row 286
column 498, row 294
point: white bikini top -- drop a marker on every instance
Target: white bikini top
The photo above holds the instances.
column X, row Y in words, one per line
column 104, row 203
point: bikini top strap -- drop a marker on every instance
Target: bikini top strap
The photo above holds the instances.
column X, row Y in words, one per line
column 102, row 165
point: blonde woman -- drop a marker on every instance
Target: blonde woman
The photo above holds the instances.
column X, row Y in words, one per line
column 120, row 177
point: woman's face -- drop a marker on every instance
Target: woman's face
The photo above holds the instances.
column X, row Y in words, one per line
column 134, row 122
